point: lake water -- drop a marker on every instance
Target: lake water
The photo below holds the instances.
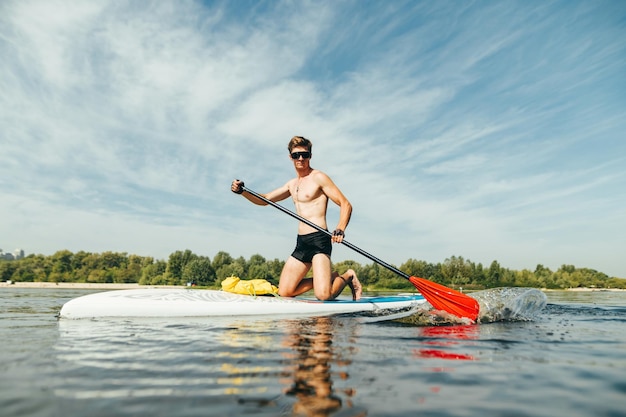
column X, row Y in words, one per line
column 569, row 361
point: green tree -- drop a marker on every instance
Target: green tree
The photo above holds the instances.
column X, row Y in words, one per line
column 456, row 271
column 525, row 278
column 368, row 274
column 39, row 265
column 257, row 268
column 342, row 267
column 494, row 275
column 478, row 275
column 62, row 262
column 543, row 276
column 129, row 275
column 275, row 268
column 7, row 269
column 199, row 271
column 183, row 266
column 153, row 274
column 110, row 260
column 386, row 278
column 256, row 260
column 616, row 283
column 78, row 260
column 221, row 259
column 261, row 271
column 241, row 261
column 99, row 276
column 233, row 269
column 416, row 268
column 176, row 264
column 24, row 272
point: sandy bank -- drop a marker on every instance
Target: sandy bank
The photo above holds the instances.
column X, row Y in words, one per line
column 81, row 285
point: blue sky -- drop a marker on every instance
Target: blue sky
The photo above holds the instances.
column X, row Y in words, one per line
column 487, row 130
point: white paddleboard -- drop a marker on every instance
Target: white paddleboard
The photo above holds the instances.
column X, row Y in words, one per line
column 205, row 303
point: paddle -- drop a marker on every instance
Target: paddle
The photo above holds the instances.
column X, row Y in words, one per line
column 439, row 296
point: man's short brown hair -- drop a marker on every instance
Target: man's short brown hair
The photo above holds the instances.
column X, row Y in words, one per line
column 300, row 141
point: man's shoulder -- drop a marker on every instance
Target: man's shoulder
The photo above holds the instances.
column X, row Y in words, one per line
column 318, row 175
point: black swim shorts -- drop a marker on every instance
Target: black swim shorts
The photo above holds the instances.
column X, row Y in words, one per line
column 311, row 244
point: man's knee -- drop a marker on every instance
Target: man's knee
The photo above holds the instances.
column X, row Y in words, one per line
column 323, row 293
column 324, row 296
column 285, row 293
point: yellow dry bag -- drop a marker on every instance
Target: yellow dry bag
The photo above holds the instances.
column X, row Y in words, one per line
column 249, row 287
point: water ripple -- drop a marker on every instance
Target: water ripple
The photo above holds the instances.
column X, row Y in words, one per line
column 568, row 360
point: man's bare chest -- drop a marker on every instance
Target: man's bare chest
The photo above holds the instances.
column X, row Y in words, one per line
column 307, row 191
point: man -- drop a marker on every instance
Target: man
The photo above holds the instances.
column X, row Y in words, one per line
column 310, row 190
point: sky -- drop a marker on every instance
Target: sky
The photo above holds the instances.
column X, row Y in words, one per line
column 480, row 129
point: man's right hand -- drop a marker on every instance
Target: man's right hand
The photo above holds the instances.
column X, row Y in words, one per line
column 237, row 187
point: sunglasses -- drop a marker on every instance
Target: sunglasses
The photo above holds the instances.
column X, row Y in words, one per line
column 297, row 155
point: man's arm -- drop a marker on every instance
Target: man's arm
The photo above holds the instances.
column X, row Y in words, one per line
column 345, row 208
column 278, row 194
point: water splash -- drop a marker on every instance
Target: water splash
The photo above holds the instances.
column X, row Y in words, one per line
column 509, row 304
column 420, row 315
column 496, row 304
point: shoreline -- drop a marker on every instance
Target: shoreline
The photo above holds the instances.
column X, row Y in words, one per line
column 113, row 286
column 84, row 285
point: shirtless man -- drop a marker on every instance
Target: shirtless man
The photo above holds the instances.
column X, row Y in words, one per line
column 310, row 189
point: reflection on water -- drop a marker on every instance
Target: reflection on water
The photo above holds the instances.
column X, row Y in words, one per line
column 441, row 340
column 276, row 365
column 312, row 360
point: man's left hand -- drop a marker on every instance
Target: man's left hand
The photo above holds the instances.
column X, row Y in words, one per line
column 338, row 236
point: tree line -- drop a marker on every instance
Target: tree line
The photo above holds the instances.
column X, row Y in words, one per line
column 183, row 267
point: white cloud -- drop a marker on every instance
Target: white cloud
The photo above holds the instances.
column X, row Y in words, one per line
column 489, row 132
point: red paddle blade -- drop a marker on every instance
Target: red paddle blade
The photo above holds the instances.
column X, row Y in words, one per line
column 447, row 299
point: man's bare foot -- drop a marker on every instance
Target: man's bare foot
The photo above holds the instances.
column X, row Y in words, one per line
column 354, row 284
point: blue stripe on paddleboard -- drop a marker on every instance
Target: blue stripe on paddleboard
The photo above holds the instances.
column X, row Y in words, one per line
column 377, row 300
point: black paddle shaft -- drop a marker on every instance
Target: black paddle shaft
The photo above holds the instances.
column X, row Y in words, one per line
column 315, row 226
